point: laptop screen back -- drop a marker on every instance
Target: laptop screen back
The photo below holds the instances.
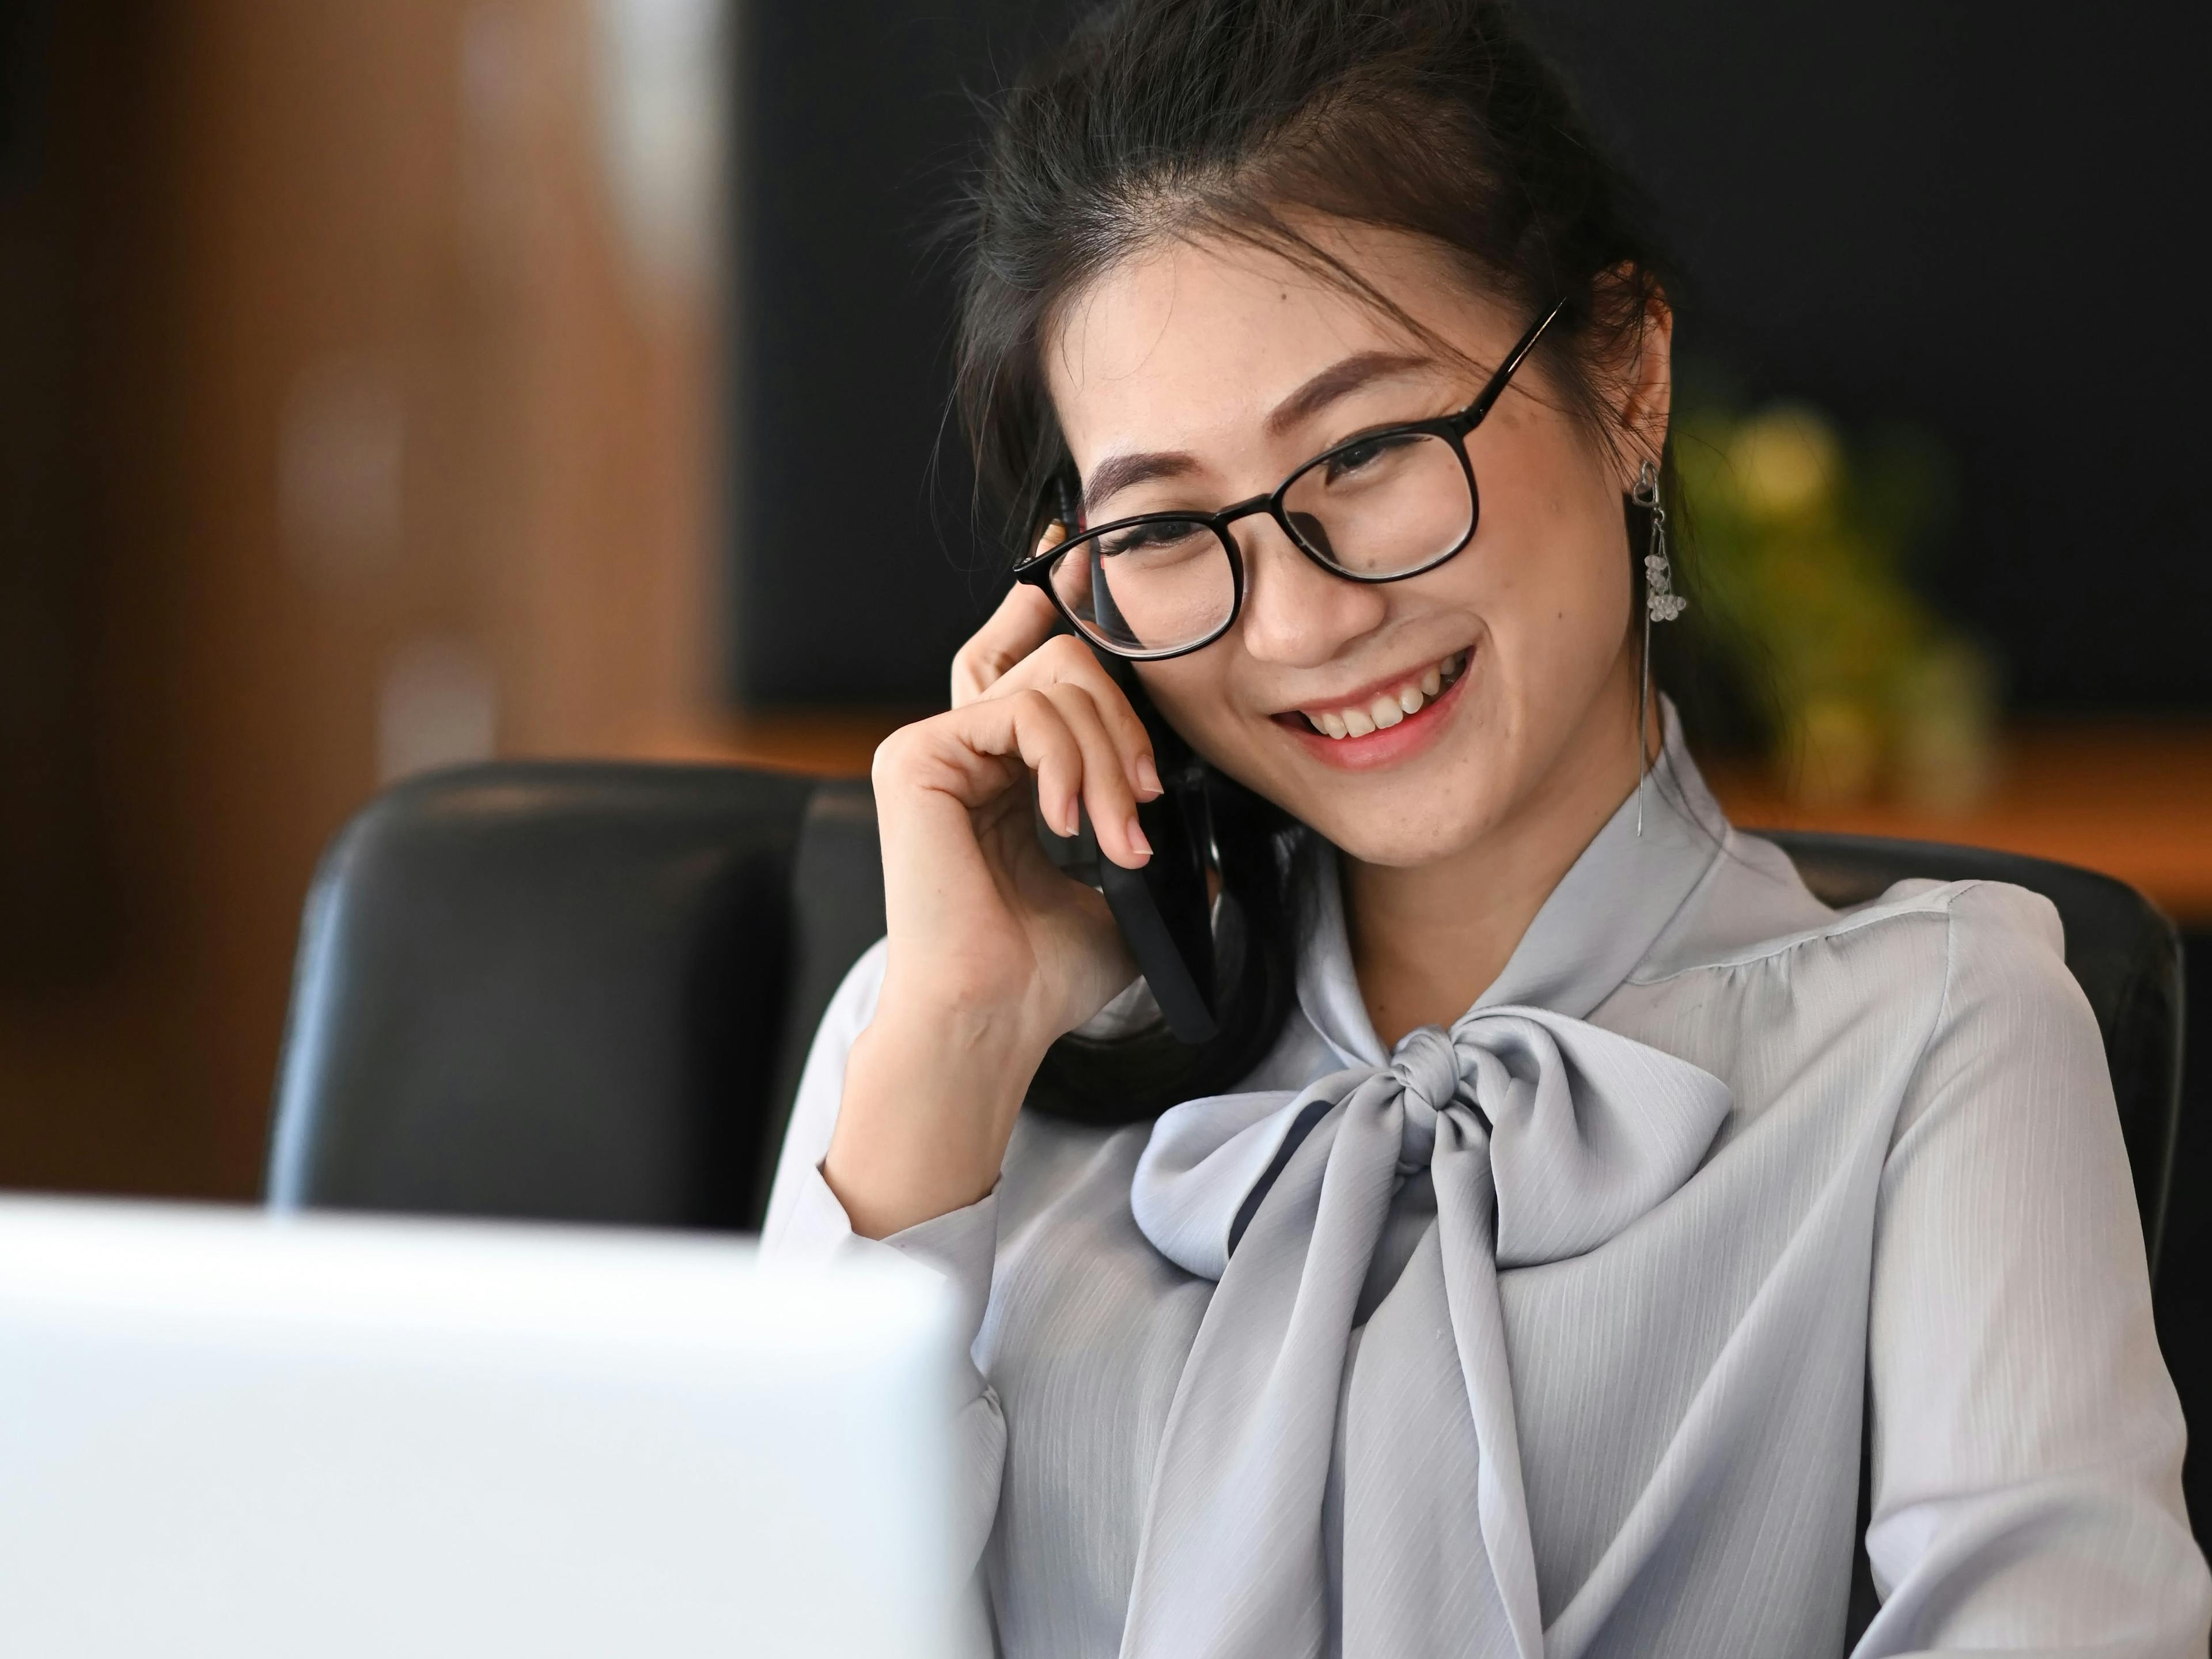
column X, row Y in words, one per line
column 222, row 1433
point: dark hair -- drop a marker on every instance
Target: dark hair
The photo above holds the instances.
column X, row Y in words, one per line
column 1236, row 118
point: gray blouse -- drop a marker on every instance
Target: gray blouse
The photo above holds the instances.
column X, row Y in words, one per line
column 1553, row 1333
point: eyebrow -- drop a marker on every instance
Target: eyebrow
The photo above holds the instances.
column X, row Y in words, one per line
column 1119, row 472
column 1339, row 379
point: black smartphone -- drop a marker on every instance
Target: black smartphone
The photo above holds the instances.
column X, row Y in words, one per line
column 1165, row 909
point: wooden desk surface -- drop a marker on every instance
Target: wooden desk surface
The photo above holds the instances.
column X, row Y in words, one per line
column 2133, row 799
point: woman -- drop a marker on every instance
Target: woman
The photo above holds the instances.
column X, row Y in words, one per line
column 1569, row 1186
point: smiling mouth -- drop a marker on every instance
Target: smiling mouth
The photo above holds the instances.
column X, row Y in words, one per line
column 1383, row 709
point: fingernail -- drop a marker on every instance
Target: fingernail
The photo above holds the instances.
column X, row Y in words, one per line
column 1074, row 822
column 1137, row 838
column 1148, row 776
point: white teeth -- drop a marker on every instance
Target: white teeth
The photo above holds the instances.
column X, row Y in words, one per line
column 1388, row 709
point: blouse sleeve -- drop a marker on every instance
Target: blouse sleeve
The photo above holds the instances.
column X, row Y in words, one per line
column 806, row 1223
column 2028, row 1441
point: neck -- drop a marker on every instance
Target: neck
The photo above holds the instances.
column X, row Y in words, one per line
column 1428, row 940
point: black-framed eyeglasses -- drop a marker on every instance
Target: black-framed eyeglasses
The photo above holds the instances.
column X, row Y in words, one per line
column 1378, row 507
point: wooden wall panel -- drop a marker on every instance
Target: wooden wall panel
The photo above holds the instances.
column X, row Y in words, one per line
column 381, row 386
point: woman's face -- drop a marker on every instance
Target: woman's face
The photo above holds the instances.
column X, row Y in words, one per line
column 1229, row 367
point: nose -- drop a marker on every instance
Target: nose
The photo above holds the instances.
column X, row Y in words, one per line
column 1295, row 613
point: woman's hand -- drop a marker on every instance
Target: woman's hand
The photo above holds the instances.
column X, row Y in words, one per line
column 993, row 953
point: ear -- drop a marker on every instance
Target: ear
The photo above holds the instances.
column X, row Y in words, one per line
column 1644, row 388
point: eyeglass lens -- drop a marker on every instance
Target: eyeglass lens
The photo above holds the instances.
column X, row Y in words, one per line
column 1385, row 507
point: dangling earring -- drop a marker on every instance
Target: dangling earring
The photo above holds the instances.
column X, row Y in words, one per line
column 1660, row 604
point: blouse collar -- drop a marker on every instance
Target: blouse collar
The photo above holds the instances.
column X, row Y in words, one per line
column 1604, row 916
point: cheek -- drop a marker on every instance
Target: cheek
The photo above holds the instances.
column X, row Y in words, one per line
column 1563, row 588
column 1196, row 696
column 1189, row 691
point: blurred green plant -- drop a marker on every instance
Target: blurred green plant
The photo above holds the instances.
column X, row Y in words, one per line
column 1806, row 551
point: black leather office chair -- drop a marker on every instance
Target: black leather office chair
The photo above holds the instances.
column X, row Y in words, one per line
column 584, row 993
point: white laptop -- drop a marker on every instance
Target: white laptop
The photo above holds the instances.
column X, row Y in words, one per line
column 227, row 1433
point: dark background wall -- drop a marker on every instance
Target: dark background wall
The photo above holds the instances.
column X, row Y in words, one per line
column 856, row 571
column 1980, row 219
column 1983, row 218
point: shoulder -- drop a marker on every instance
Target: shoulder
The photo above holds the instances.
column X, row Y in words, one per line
column 1753, row 908
column 2004, row 977
column 1928, row 981
column 1990, row 929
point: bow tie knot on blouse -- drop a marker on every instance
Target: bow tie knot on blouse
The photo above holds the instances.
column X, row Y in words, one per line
column 1545, row 1137
column 1427, row 1067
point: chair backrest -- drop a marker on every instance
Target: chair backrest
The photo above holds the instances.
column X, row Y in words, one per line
column 582, row 992
column 548, row 991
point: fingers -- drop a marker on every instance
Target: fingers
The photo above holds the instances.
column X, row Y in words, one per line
column 1067, row 661
column 1057, row 733
column 1016, row 651
column 1024, row 621
column 1109, row 786
column 1059, row 736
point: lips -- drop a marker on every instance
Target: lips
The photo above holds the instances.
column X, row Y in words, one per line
column 1380, row 710
column 1399, row 735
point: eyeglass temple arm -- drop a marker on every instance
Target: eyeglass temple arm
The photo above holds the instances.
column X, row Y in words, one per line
column 1061, row 506
column 1471, row 417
